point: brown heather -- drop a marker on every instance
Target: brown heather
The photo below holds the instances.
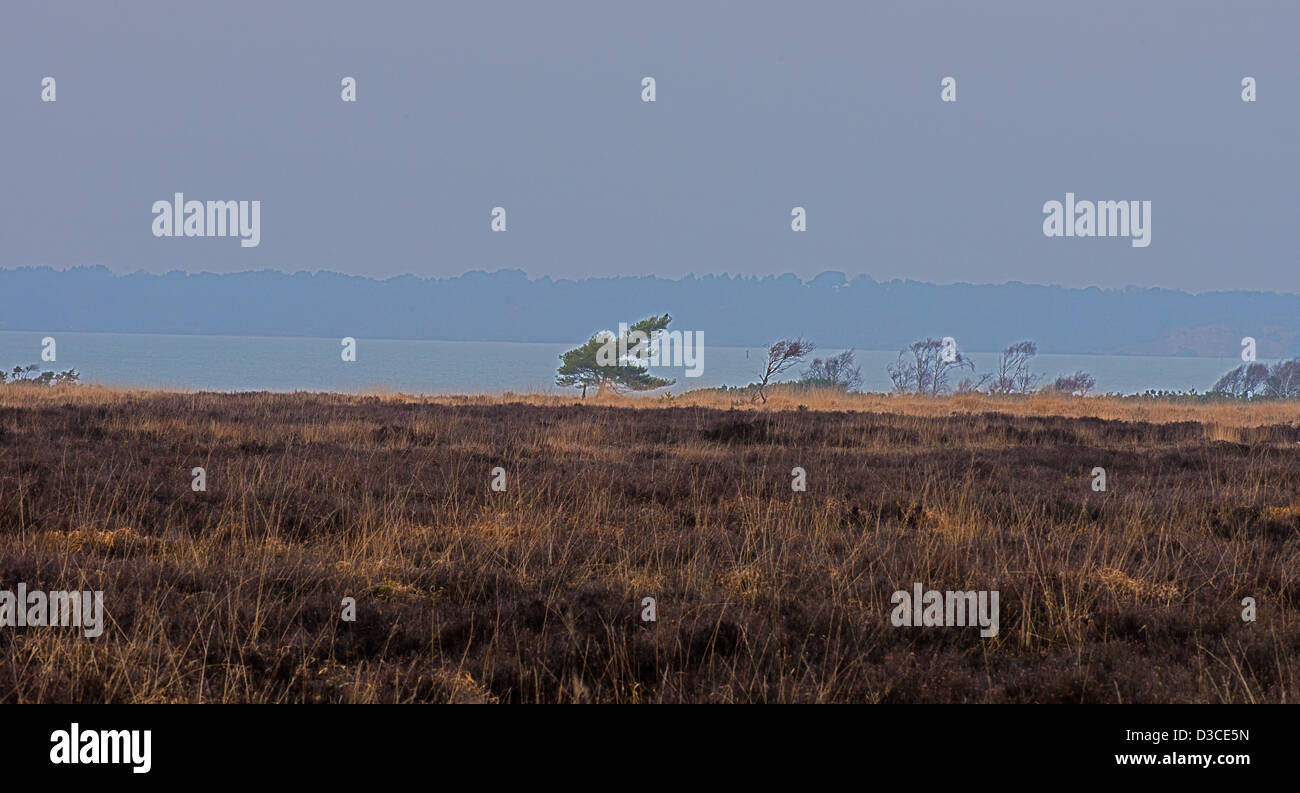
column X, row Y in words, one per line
column 533, row 595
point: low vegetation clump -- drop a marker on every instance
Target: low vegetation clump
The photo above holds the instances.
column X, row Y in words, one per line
column 32, row 375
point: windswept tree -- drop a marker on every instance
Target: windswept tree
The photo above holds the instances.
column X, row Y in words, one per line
column 1012, row 375
column 923, row 368
column 610, row 363
column 781, row 357
column 1077, row 384
column 1283, row 381
column 32, row 375
column 836, row 372
column 1243, row 382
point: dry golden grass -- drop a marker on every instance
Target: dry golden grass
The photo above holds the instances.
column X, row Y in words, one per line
column 1222, row 420
column 533, row 595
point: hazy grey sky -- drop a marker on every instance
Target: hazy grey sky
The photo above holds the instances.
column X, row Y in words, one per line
column 536, row 107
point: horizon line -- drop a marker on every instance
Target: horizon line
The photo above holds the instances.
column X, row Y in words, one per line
column 847, row 280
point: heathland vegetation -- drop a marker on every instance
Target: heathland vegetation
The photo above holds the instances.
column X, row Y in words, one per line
column 534, row 592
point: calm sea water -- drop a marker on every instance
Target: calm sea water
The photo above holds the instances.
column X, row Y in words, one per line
column 256, row 363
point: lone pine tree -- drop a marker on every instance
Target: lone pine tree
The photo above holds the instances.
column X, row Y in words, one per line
column 610, row 362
